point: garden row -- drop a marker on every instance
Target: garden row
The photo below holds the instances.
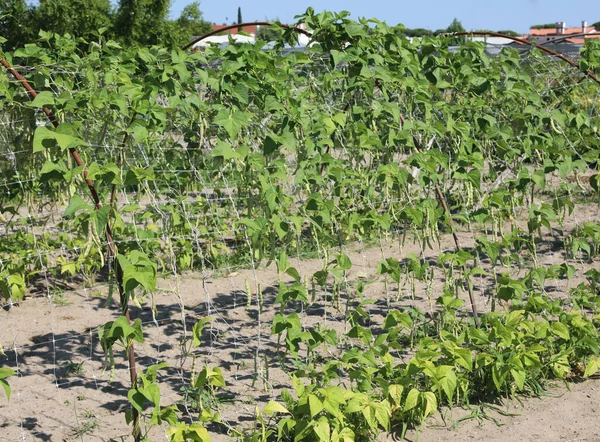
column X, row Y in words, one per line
column 241, row 157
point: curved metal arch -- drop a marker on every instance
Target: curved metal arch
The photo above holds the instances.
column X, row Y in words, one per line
column 239, row 25
column 529, row 43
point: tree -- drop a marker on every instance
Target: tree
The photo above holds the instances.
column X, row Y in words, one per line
column 455, row 26
column 16, row 24
column 418, row 32
column 191, row 23
column 402, row 31
column 80, row 18
column 269, row 33
column 134, row 22
column 239, row 19
column 543, row 26
column 509, row 32
column 505, row 32
column 596, row 25
column 144, row 22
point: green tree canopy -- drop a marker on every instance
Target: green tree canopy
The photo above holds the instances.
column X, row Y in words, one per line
column 455, row 26
column 80, row 18
column 132, row 22
column 16, row 23
column 418, row 32
column 543, row 26
column 143, row 22
column 269, row 33
column 509, row 32
column 191, row 24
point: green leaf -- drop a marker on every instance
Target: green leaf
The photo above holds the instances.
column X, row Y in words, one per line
column 119, row 331
column 111, row 174
column 519, row 376
column 137, row 399
column 225, row 150
column 321, row 429
column 67, row 138
column 152, row 393
column 395, row 318
column 345, row 435
column 336, row 56
column 430, row 403
column 5, row 385
column 594, row 180
column 12, row 287
column 343, row 261
column 332, row 396
column 209, row 376
column 464, row 357
column 270, row 145
column 560, row 330
column 240, row 91
column 169, row 415
column 43, row 99
column 197, row 330
column 4, row 373
column 138, row 129
column 299, row 387
column 382, row 414
column 315, row 405
column 136, row 175
column 591, row 367
column 181, row 432
column 43, row 139
column 232, row 122
column 273, row 407
column 358, row 403
column 293, row 273
column 448, row 384
column 411, row 399
column 137, row 269
column 75, row 205
column 558, row 116
column 395, row 393
column 355, row 29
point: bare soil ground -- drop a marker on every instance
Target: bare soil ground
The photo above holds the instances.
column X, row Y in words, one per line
column 62, row 391
column 563, row 415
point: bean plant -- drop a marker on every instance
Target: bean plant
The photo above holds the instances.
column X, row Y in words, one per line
column 252, row 155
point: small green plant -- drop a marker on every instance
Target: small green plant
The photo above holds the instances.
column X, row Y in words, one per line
column 59, row 297
column 86, row 428
column 147, row 392
column 4, row 374
column 74, row 368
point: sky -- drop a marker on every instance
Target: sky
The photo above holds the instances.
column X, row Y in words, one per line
column 516, row 15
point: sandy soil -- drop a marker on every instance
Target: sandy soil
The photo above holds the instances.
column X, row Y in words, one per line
column 62, row 391
column 563, row 415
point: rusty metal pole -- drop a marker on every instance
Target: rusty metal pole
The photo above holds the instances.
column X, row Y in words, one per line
column 112, row 250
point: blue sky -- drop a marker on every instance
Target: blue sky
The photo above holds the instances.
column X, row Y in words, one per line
column 517, row 15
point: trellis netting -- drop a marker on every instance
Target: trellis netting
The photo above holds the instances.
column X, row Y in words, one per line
column 276, row 213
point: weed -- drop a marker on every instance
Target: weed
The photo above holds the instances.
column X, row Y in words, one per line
column 86, row 427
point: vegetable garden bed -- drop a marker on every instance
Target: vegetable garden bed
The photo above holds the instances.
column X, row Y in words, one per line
column 326, row 245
